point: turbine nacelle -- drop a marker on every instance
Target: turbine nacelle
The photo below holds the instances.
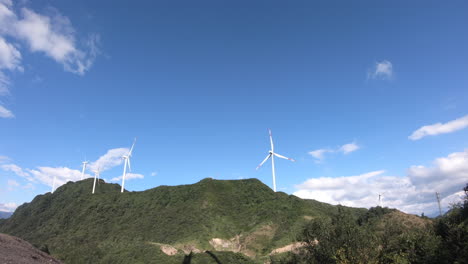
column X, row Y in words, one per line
column 271, row 155
column 126, row 159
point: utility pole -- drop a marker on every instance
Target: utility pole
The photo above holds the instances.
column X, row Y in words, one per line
column 438, row 202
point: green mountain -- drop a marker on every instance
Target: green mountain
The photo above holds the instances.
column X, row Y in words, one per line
column 234, row 221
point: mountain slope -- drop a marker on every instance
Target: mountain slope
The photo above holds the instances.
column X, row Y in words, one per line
column 240, row 215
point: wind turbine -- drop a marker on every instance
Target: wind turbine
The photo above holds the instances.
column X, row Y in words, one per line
column 271, row 155
column 96, row 175
column 380, row 200
column 126, row 159
column 53, row 183
column 438, row 202
column 84, row 168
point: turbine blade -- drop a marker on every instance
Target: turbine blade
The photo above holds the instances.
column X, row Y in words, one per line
column 129, row 167
column 131, row 149
column 258, row 167
column 283, row 157
column 271, row 140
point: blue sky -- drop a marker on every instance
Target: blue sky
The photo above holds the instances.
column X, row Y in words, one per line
column 343, row 86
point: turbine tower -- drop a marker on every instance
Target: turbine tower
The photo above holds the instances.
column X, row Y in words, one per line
column 126, row 159
column 84, row 168
column 380, row 201
column 438, row 202
column 271, row 155
column 53, row 183
column 96, row 175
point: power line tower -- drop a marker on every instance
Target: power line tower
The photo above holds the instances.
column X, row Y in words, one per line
column 438, row 202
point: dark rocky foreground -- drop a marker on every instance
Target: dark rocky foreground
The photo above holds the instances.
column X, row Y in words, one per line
column 17, row 251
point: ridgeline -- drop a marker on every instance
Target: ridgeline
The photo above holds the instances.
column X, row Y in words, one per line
column 235, row 221
column 229, row 221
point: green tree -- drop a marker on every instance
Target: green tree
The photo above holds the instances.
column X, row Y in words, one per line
column 453, row 230
column 338, row 240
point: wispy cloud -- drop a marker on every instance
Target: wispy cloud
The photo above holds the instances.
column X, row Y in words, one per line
column 52, row 35
column 8, row 207
column 348, row 148
column 4, row 159
column 439, row 128
column 319, row 154
column 413, row 193
column 16, row 170
column 12, row 184
column 128, row 176
column 45, row 175
column 5, row 113
column 382, row 70
column 111, row 159
column 55, row 37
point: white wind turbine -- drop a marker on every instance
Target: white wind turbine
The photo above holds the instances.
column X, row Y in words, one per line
column 84, row 168
column 126, row 159
column 96, row 175
column 271, row 155
column 53, row 183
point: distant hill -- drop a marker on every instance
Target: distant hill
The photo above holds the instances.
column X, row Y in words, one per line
column 4, row 215
column 166, row 223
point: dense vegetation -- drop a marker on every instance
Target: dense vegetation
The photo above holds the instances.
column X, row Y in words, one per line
column 133, row 227
column 109, row 227
column 383, row 235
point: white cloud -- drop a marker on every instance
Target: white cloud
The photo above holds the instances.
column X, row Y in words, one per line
column 128, row 176
column 319, row 154
column 111, row 159
column 63, row 175
column 12, row 183
column 4, row 159
column 45, row 175
column 8, row 207
column 17, row 170
column 7, row 17
column 28, row 186
column 10, row 57
column 154, row 173
column 439, row 128
column 413, row 193
column 348, row 148
column 4, row 84
column 383, row 70
column 53, row 35
column 5, row 113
